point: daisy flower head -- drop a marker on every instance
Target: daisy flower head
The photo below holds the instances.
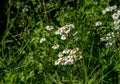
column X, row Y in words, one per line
column 55, row 46
column 60, row 54
column 104, row 12
column 66, row 51
column 69, row 62
column 115, row 16
column 73, row 51
column 66, row 29
column 118, row 12
column 98, row 23
column 42, row 40
column 114, row 7
column 63, row 60
column 108, row 9
column 71, row 26
column 49, row 28
column 116, row 27
column 63, row 37
column 59, row 31
column 57, row 62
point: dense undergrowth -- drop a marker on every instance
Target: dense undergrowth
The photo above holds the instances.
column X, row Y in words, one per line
column 60, row 42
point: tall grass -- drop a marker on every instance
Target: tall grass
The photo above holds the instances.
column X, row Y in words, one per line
column 27, row 52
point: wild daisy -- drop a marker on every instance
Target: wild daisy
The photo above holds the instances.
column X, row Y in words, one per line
column 60, row 54
column 104, row 12
column 98, row 23
column 66, row 51
column 63, row 37
column 42, row 40
column 59, row 31
column 56, row 46
column 49, row 28
column 118, row 12
column 66, row 29
column 115, row 16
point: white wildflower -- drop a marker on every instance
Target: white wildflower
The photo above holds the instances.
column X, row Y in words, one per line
column 98, row 23
column 115, row 16
column 108, row 9
column 63, row 60
column 116, row 27
column 66, row 29
column 63, row 37
column 104, row 12
column 49, row 28
column 71, row 26
column 102, row 39
column 73, row 51
column 56, row 46
column 114, row 7
column 59, row 31
column 66, row 51
column 42, row 40
column 60, row 54
column 118, row 12
column 116, row 22
column 109, row 44
column 57, row 62
column 69, row 62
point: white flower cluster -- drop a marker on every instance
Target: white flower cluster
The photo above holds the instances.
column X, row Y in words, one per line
column 109, row 9
column 63, row 31
column 109, row 38
column 68, row 56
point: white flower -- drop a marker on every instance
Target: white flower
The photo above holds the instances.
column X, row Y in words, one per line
column 71, row 26
column 66, row 51
column 56, row 46
column 109, row 44
column 102, row 39
column 115, row 16
column 116, row 22
column 104, row 12
column 73, row 51
column 57, row 62
column 63, row 37
column 116, row 27
column 49, row 28
column 69, row 62
column 63, row 60
column 108, row 9
column 118, row 12
column 66, row 29
column 42, row 40
column 60, row 54
column 114, row 7
column 98, row 23
column 59, row 31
